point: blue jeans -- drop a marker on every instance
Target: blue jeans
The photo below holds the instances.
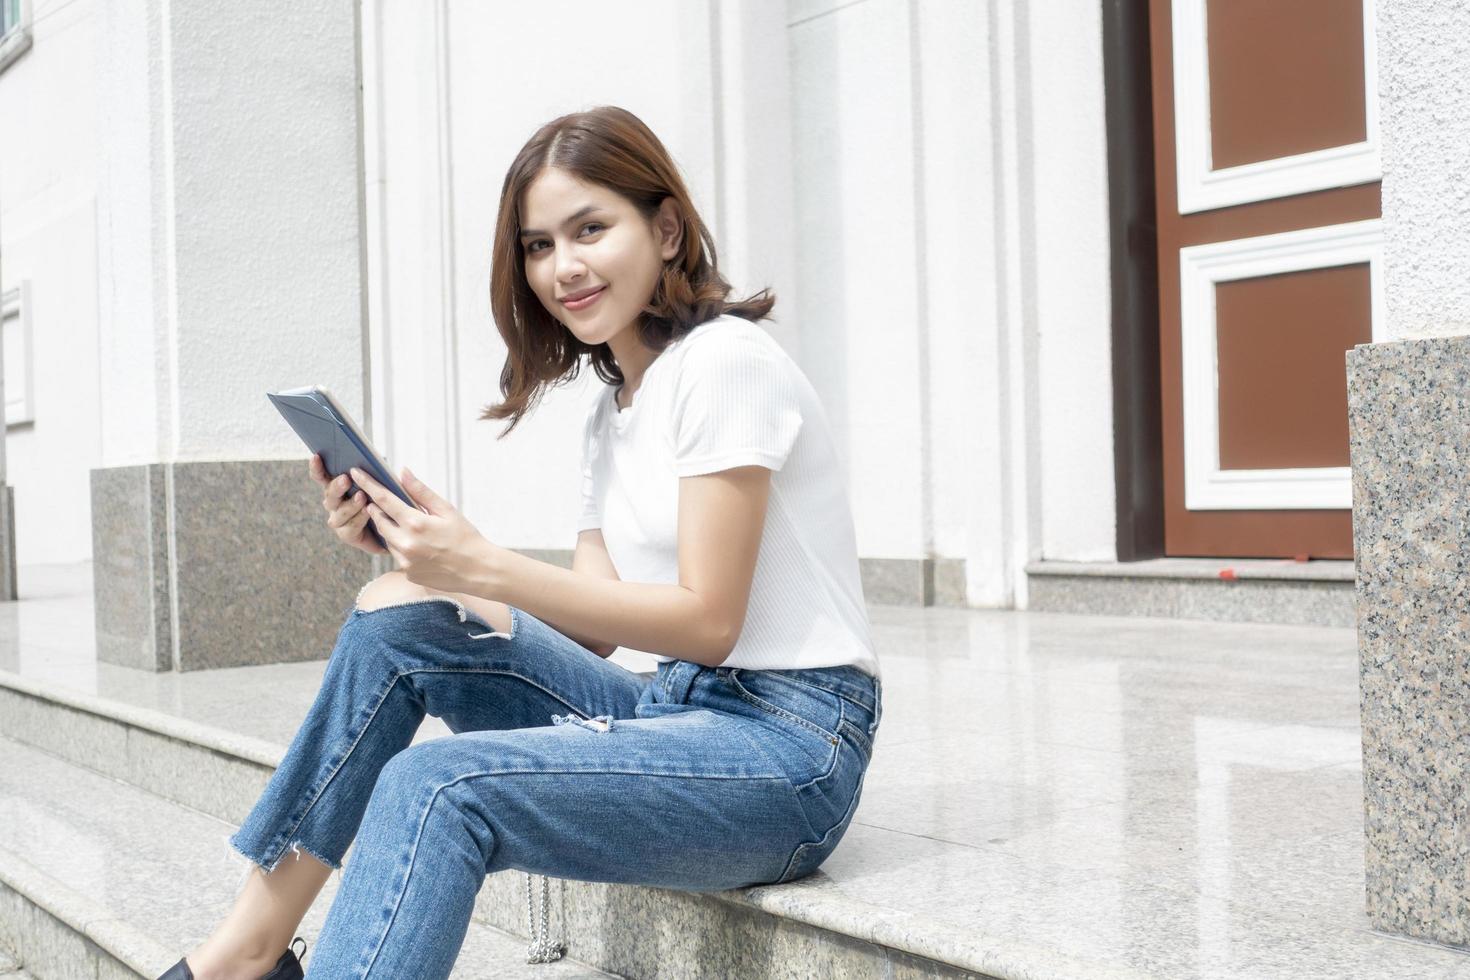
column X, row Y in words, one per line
column 561, row 764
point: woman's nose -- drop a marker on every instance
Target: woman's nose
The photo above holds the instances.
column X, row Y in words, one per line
column 569, row 268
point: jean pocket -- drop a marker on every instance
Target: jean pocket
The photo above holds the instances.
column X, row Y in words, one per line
column 798, row 730
column 811, row 708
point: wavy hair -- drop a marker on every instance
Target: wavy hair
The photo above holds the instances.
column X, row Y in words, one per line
column 610, row 147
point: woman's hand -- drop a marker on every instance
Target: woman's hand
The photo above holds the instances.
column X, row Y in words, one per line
column 346, row 516
column 434, row 546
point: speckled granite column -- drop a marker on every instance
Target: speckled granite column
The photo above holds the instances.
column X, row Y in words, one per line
column 216, row 564
column 1409, row 416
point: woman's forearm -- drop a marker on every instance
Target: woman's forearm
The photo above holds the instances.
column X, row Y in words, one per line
column 599, row 647
column 664, row 619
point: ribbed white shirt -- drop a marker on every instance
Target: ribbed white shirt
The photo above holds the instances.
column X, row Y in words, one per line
column 724, row 395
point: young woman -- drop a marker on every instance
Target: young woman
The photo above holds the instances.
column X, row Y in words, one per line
column 715, row 533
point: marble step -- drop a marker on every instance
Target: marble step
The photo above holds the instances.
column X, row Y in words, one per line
column 1231, row 590
column 101, row 879
column 10, row 968
column 209, row 769
column 762, row 931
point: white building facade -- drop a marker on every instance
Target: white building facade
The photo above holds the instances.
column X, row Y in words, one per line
column 923, row 184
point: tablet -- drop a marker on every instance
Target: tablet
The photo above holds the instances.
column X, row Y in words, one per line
column 328, row 430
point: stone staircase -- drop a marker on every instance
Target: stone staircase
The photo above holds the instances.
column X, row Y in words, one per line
column 1051, row 797
column 102, row 878
column 116, row 860
column 10, row 968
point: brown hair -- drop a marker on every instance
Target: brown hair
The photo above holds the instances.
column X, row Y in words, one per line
column 611, row 147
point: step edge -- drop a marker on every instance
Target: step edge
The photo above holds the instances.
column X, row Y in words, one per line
column 113, row 933
column 1335, row 572
column 125, row 943
column 982, row 952
column 886, row 928
column 245, row 747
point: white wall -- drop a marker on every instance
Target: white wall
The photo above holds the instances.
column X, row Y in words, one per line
column 1072, row 259
column 188, row 244
column 461, row 86
column 921, row 183
column 927, row 198
column 48, row 235
column 1424, row 94
column 952, row 185
column 229, row 247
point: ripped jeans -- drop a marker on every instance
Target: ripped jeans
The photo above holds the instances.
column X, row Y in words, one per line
column 561, row 764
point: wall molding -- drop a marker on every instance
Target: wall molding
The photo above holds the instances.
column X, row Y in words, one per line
column 1201, row 267
column 16, row 316
column 17, row 40
column 1201, row 187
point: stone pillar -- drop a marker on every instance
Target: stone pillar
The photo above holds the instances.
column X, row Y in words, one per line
column 1409, row 417
column 230, row 241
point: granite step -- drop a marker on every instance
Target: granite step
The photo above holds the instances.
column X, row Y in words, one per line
column 101, row 879
column 775, row 930
column 1230, row 590
column 1053, row 797
column 10, row 966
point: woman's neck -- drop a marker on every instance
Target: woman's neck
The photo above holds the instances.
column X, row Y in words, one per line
column 633, row 360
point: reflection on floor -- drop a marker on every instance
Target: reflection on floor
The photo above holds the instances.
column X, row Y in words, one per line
column 1180, row 799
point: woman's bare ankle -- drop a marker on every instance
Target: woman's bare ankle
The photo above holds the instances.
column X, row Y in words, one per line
column 246, row 944
column 214, row 959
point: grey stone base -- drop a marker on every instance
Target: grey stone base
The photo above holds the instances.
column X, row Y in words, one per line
column 8, row 588
column 635, row 931
column 890, row 581
column 1192, row 589
column 1409, row 428
column 216, row 564
column 914, row 581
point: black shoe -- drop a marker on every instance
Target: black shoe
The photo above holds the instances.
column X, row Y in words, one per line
column 288, row 967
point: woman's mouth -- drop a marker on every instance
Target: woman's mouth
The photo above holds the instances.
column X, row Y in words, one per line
column 585, row 301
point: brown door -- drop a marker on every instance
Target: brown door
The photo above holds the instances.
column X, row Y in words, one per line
column 1266, row 163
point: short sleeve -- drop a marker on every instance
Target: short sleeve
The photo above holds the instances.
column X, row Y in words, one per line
column 591, row 515
column 736, row 403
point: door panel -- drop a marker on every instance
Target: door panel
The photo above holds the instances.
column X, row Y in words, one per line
column 1263, row 287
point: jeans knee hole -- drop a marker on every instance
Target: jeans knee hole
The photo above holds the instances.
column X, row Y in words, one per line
column 493, row 632
column 418, row 601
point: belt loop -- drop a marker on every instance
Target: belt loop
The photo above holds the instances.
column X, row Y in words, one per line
column 681, row 679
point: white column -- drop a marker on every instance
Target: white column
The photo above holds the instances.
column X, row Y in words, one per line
column 230, row 222
column 230, row 263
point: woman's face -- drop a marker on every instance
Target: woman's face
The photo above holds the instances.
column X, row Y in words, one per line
column 582, row 238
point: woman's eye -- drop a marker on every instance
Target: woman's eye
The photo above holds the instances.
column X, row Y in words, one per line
column 531, row 248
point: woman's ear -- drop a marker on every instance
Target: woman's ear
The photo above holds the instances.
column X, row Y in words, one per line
column 670, row 228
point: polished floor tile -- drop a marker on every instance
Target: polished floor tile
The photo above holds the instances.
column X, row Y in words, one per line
column 1078, row 795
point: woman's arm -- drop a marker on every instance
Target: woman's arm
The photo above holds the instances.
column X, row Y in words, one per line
column 721, row 517
column 590, row 558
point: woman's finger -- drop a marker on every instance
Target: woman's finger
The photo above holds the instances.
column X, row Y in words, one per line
column 385, row 499
column 333, row 491
column 384, row 523
column 344, row 510
column 389, row 532
column 359, row 507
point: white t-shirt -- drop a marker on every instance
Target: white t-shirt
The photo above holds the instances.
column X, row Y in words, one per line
column 726, row 394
